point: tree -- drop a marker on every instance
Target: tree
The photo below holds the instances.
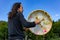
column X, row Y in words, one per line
column 3, row 30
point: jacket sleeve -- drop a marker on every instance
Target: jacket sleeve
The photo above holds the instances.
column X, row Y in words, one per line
column 26, row 23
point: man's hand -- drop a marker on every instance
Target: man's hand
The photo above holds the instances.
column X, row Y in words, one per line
column 37, row 21
column 26, row 29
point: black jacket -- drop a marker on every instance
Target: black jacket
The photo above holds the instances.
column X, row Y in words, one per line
column 16, row 24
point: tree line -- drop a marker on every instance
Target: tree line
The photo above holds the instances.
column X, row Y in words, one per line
column 53, row 34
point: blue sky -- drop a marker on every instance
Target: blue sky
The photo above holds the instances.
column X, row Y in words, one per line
column 50, row 6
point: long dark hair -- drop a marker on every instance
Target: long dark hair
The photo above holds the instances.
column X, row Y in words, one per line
column 14, row 9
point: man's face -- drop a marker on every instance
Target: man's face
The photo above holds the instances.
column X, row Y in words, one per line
column 21, row 9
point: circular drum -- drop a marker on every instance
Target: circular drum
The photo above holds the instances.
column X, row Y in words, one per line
column 45, row 22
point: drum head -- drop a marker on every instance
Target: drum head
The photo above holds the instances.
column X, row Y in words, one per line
column 44, row 26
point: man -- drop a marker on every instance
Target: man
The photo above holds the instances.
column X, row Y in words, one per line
column 16, row 23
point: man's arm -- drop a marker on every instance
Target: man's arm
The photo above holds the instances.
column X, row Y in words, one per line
column 24, row 22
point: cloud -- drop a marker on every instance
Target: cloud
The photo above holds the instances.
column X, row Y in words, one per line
column 56, row 15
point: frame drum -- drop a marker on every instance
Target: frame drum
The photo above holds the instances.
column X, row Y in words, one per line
column 45, row 22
